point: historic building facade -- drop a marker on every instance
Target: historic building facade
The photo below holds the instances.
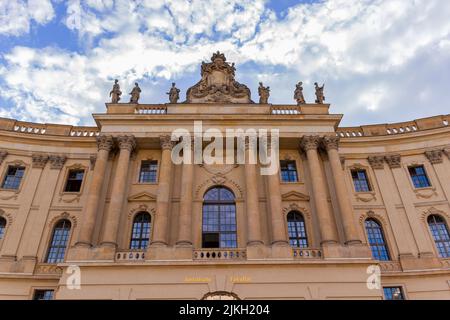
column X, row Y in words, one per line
column 107, row 206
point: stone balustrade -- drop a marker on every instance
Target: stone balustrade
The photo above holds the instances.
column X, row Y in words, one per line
column 306, row 253
column 150, row 109
column 219, row 254
column 285, row 110
column 130, row 255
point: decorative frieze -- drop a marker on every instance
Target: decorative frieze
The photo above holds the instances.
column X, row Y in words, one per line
column 57, row 161
column 376, row 162
column 127, row 142
column 393, row 160
column 39, row 160
column 309, row 142
column 434, row 156
column 104, row 142
column 166, row 142
column 3, row 155
column 331, row 142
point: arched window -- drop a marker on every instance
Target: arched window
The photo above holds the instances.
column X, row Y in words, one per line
column 219, row 219
column 297, row 230
column 2, row 227
column 140, row 234
column 58, row 243
column 376, row 240
column 440, row 234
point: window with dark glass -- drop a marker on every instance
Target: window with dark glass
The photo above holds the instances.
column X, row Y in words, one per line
column 376, row 239
column 2, row 227
column 43, row 295
column 13, row 177
column 219, row 219
column 58, row 243
column 288, row 171
column 419, row 177
column 149, row 170
column 393, row 293
column 297, row 230
column 440, row 234
column 74, row 180
column 140, row 234
column 360, row 180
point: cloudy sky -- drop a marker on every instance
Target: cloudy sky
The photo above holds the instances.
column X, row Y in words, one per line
column 381, row 60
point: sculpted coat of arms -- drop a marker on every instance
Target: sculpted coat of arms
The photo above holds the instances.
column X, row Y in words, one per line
column 217, row 84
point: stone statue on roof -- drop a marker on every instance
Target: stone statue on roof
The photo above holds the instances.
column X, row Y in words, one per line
column 264, row 93
column 135, row 93
column 174, row 94
column 298, row 93
column 115, row 92
column 320, row 98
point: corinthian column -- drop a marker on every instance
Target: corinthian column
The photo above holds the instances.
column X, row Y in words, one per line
column 126, row 145
column 331, row 144
column 252, row 201
column 160, row 230
column 104, row 145
column 328, row 233
column 185, row 219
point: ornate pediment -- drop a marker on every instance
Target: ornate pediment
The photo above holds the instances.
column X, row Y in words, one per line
column 142, row 197
column 294, row 196
column 217, row 84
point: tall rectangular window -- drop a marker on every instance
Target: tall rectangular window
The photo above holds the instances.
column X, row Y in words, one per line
column 419, row 177
column 74, row 180
column 14, row 175
column 360, row 180
column 393, row 293
column 43, row 295
column 288, row 171
column 149, row 170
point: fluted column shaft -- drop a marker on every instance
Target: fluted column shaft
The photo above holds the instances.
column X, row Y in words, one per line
column 160, row 230
column 345, row 207
column 185, row 218
column 104, row 144
column 279, row 235
column 126, row 145
column 252, row 201
column 326, row 223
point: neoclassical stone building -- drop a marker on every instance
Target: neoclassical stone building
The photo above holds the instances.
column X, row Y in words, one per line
column 107, row 206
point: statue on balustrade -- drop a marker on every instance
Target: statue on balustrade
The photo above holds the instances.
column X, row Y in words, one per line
column 298, row 93
column 174, row 94
column 217, row 84
column 264, row 93
column 135, row 94
column 115, row 92
column 320, row 98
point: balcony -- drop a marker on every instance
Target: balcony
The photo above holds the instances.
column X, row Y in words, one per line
column 130, row 255
column 306, row 253
column 219, row 254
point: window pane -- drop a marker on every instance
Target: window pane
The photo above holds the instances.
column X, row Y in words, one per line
column 13, row 177
column 419, row 177
column 297, row 230
column 140, row 233
column 148, row 172
column 58, row 244
column 2, row 227
column 393, row 293
column 74, row 181
column 360, row 181
column 440, row 234
column 43, row 295
column 288, row 171
column 376, row 240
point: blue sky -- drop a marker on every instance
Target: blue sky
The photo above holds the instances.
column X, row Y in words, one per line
column 381, row 60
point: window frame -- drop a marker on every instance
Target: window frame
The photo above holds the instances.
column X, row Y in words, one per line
column 130, row 230
column 34, row 290
column 2, row 235
column 426, row 174
column 368, row 180
column 296, row 171
column 50, row 239
column 402, row 289
column 139, row 169
column 305, row 227
column 445, row 222
column 66, row 179
column 5, row 174
column 383, row 235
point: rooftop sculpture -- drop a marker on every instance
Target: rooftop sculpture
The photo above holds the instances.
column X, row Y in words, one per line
column 217, row 84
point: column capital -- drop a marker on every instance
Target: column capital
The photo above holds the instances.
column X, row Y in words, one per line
column 92, row 160
column 127, row 142
column 57, row 161
column 434, row 156
column 166, row 142
column 39, row 160
column 331, row 142
column 447, row 152
column 376, row 162
column 104, row 142
column 393, row 160
column 309, row 142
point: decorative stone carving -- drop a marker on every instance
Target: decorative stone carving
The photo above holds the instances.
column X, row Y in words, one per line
column 447, row 152
column 166, row 142
column 264, row 93
column 39, row 160
column 57, row 161
column 298, row 94
column 320, row 98
column 434, row 156
column 331, row 142
column 135, row 93
column 3, row 155
column 376, row 162
column 217, row 84
column 309, row 142
column 393, row 160
column 92, row 160
column 126, row 142
column 115, row 92
column 104, row 142
column 174, row 94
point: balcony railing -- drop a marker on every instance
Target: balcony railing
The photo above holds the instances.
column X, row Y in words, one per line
column 219, row 254
column 130, row 255
column 306, row 253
